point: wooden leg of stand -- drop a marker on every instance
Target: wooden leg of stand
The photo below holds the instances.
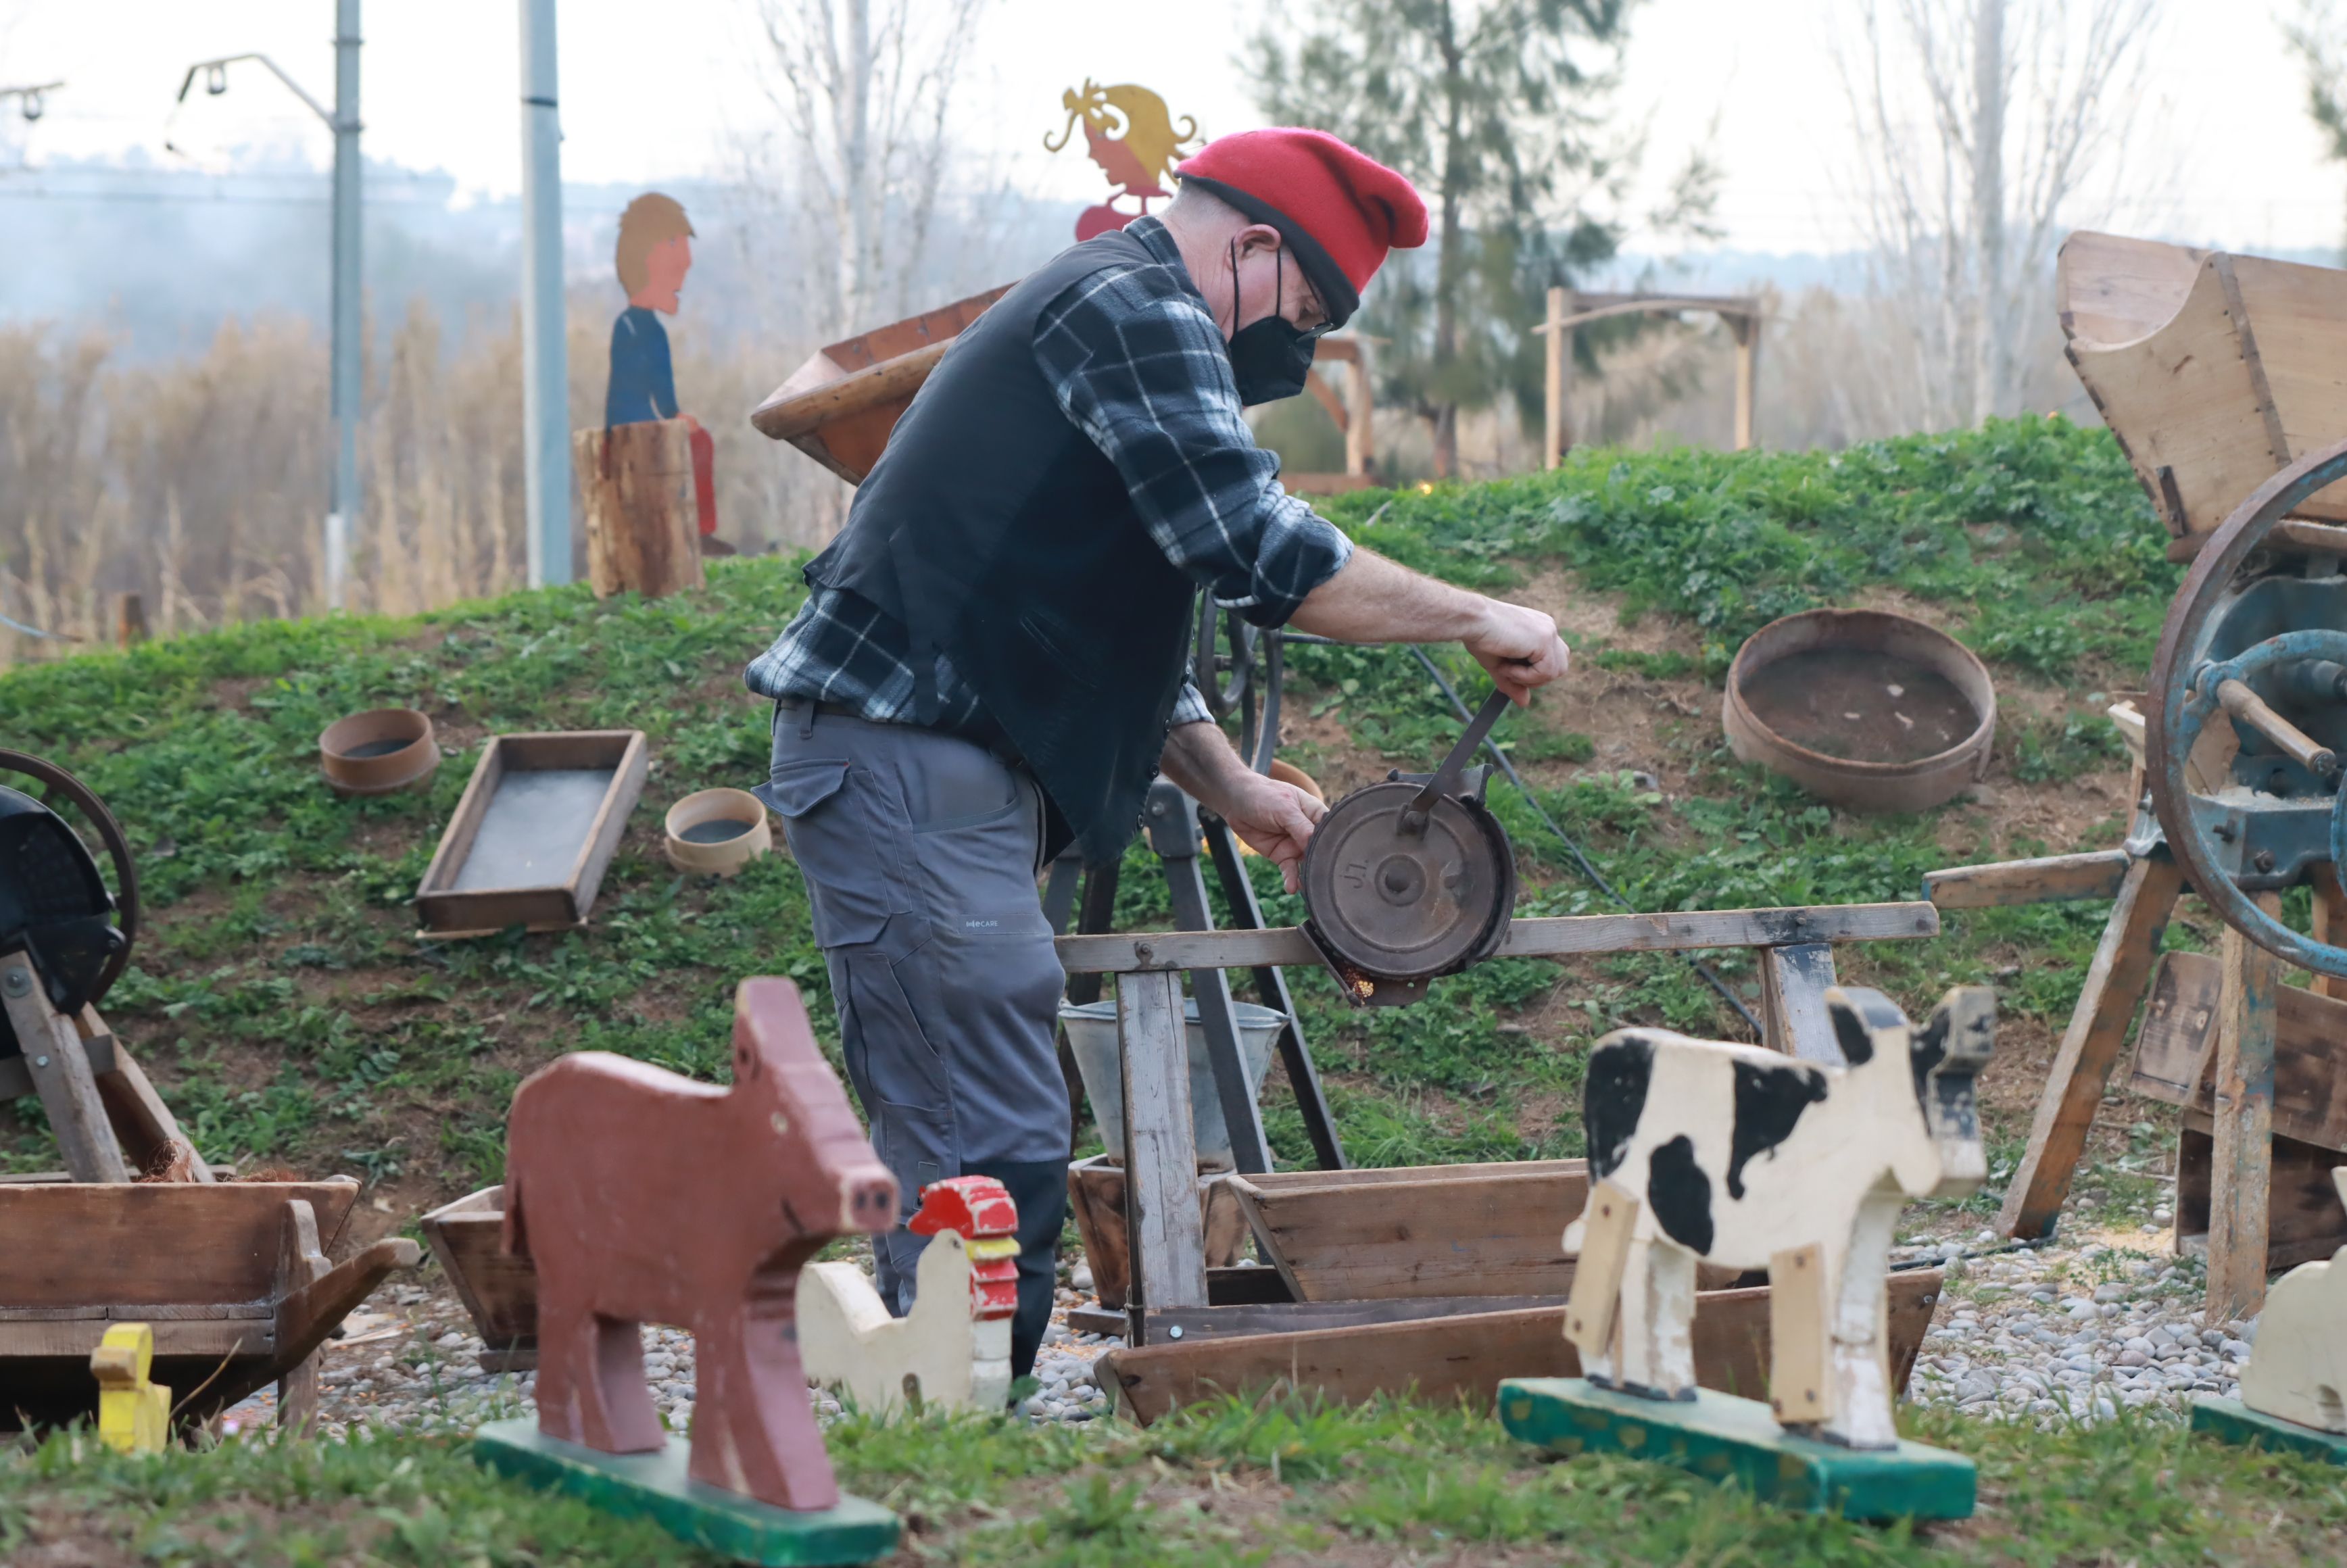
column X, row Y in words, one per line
column 2330, row 925
column 2242, row 1173
column 1793, row 985
column 2090, row 1046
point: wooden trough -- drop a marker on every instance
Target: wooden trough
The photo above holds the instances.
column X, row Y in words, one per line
column 839, row 406
column 233, row 1277
column 2213, row 370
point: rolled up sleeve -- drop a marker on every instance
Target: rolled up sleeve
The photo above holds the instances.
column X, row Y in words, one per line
column 1143, row 374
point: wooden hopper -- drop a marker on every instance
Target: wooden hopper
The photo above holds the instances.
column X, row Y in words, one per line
column 2214, row 371
column 839, row 406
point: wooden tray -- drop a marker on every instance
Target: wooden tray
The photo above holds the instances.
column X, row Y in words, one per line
column 231, row 1275
column 547, row 846
column 1466, row 1356
column 840, row 406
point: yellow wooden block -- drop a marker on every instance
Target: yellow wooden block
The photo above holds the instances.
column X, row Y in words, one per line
column 134, row 1412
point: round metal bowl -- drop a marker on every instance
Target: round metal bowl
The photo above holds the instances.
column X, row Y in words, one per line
column 1875, row 642
column 380, row 752
column 716, row 832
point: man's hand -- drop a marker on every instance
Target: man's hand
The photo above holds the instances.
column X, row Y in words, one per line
column 1373, row 599
column 1276, row 819
column 1519, row 647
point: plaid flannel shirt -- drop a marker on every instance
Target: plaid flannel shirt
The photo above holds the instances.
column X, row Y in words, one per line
column 1139, row 365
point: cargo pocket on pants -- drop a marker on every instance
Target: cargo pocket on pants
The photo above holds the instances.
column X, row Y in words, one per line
column 907, row 1093
column 838, row 828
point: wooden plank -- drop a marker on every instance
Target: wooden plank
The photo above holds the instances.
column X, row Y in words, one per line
column 2329, row 905
column 78, row 1336
column 1801, row 1323
column 203, row 1312
column 1383, row 1175
column 1793, row 986
column 2005, row 884
column 1488, row 1236
column 2175, row 1051
column 299, row 1264
column 586, row 878
column 1542, row 938
column 169, row 1243
column 2304, row 1223
column 1172, row 1325
column 2243, row 1170
column 141, row 1120
column 1591, row 1310
column 59, row 1066
column 1169, row 1259
column 1445, row 1358
column 2090, row 1046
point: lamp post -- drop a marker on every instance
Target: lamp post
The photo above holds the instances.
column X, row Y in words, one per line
column 344, row 121
column 545, row 359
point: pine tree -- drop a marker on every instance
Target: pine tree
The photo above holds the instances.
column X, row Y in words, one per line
column 1497, row 112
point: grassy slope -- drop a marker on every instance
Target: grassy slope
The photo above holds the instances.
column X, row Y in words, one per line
column 283, row 1003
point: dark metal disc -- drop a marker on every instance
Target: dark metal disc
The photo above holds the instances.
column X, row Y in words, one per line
column 65, row 786
column 1406, row 905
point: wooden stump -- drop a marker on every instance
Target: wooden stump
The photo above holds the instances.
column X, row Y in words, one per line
column 642, row 516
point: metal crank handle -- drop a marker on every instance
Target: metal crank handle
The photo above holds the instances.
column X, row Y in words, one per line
column 2237, row 699
column 1446, row 777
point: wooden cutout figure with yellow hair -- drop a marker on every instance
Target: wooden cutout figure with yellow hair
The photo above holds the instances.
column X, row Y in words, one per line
column 134, row 1412
column 1128, row 132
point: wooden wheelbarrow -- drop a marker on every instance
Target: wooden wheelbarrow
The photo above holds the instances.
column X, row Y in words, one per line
column 232, row 1277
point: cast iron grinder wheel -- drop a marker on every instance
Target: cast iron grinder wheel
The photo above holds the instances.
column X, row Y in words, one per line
column 1412, row 879
column 2258, row 637
column 55, row 788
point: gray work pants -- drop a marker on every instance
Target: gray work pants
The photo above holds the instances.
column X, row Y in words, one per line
column 920, row 853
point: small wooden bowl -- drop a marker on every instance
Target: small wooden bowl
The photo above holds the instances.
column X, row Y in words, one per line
column 716, row 832
column 380, row 751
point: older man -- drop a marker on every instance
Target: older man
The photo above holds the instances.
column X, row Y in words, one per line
column 991, row 659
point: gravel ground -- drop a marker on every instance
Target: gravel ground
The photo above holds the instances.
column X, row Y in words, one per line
column 2040, row 1334
column 2049, row 1334
column 410, row 1360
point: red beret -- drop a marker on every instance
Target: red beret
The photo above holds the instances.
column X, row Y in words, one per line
column 1340, row 210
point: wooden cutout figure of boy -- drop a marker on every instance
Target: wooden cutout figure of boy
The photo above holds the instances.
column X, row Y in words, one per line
column 1128, row 132
column 653, row 257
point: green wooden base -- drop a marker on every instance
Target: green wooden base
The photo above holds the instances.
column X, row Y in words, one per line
column 655, row 1486
column 2230, row 1421
column 1727, row 1438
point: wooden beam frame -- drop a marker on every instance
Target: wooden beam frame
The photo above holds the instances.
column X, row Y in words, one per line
column 1568, row 309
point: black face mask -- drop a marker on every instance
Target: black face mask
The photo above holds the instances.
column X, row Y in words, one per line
column 1269, row 358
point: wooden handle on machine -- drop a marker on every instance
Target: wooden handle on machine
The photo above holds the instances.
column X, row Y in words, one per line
column 2249, row 708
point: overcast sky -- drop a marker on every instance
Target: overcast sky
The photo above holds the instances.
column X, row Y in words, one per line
column 2228, row 156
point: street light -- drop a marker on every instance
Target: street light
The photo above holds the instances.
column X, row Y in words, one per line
column 344, row 121
column 31, row 100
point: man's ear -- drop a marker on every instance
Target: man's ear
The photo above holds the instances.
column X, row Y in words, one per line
column 1257, row 237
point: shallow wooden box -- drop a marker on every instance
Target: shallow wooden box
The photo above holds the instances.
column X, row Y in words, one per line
column 510, row 858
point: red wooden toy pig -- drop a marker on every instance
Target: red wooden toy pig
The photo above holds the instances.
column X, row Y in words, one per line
column 642, row 1196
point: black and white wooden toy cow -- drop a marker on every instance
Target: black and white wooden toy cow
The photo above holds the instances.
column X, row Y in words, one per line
column 1701, row 1150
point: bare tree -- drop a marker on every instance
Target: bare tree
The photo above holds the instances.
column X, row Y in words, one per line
column 863, row 88
column 2025, row 111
